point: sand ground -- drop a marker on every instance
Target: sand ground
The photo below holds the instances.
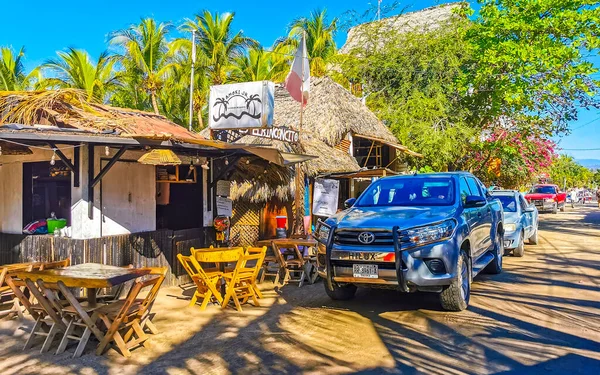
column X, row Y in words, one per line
column 541, row 315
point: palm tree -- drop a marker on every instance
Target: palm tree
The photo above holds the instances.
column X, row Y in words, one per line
column 320, row 41
column 217, row 45
column 75, row 69
column 12, row 71
column 146, row 50
column 259, row 65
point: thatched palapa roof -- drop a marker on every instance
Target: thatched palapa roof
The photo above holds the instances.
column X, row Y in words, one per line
column 68, row 108
column 374, row 34
column 331, row 114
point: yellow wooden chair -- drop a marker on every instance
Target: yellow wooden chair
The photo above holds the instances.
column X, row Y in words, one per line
column 241, row 283
column 258, row 266
column 206, row 282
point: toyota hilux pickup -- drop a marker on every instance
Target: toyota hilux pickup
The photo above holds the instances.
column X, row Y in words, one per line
column 426, row 232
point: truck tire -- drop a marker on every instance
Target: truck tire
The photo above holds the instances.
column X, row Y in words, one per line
column 455, row 297
column 533, row 240
column 340, row 293
column 520, row 249
column 495, row 266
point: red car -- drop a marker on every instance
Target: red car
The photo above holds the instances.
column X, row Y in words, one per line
column 547, row 197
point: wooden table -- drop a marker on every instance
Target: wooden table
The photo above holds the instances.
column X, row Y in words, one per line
column 90, row 276
column 220, row 256
column 292, row 245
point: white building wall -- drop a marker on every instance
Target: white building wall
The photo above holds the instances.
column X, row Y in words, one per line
column 128, row 199
column 11, row 193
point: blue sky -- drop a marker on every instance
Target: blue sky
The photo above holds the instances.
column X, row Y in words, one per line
column 54, row 26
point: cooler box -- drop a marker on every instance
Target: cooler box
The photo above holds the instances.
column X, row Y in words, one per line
column 56, row 223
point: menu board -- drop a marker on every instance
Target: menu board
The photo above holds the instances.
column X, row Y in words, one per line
column 325, row 197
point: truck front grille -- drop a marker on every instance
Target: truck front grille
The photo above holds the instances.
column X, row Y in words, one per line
column 350, row 237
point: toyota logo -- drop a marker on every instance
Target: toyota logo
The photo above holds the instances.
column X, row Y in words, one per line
column 366, row 238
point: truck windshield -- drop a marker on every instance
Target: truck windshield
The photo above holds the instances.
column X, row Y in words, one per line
column 543, row 190
column 509, row 203
column 418, row 191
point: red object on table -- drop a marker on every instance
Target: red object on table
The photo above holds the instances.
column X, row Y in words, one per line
column 281, row 221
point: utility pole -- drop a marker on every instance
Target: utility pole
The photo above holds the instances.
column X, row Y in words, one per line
column 192, row 79
column 378, row 10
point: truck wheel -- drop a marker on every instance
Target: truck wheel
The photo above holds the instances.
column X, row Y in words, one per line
column 455, row 297
column 520, row 249
column 533, row 240
column 495, row 266
column 340, row 293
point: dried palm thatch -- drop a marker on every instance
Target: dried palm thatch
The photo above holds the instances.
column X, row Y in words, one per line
column 7, row 148
column 69, row 108
column 257, row 181
column 159, row 157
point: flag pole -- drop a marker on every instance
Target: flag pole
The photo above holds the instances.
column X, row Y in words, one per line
column 299, row 220
column 193, row 56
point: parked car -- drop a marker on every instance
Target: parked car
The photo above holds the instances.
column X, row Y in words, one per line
column 547, row 197
column 426, row 232
column 520, row 221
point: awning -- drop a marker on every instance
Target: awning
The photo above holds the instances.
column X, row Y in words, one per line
column 397, row 146
column 363, row 173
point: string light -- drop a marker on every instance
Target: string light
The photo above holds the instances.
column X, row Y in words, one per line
column 106, row 150
column 226, row 161
column 205, row 165
column 53, row 159
column 265, row 172
column 0, row 150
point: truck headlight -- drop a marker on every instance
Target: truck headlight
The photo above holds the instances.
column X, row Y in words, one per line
column 510, row 227
column 549, row 200
column 428, row 234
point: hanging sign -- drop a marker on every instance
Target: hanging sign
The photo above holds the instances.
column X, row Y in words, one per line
column 224, row 188
column 246, row 105
column 224, row 206
column 325, row 197
column 280, row 133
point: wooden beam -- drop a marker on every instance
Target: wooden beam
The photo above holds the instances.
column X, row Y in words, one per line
column 90, row 180
column 73, row 167
column 108, row 166
column 369, row 155
column 224, row 172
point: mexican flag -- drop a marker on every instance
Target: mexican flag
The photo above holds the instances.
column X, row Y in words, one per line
column 297, row 81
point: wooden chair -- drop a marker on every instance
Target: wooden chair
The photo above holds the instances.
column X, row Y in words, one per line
column 241, row 283
column 206, row 282
column 15, row 295
column 126, row 316
column 49, row 321
column 111, row 294
column 259, row 266
column 271, row 265
column 290, row 266
column 58, row 264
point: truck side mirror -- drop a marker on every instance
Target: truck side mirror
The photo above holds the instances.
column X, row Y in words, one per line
column 349, row 202
column 474, row 201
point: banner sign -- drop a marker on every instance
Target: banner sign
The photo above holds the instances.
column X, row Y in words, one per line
column 325, row 197
column 246, row 105
column 282, row 133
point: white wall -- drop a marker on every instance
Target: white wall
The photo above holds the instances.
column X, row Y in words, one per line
column 128, row 199
column 11, row 193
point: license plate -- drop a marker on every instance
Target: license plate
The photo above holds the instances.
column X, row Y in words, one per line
column 367, row 271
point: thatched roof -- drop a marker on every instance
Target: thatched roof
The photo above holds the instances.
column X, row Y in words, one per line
column 373, row 34
column 330, row 115
column 68, row 108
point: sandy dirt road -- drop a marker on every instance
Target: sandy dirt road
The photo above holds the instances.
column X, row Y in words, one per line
column 540, row 316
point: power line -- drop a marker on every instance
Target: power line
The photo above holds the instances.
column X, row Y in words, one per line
column 580, row 149
column 587, row 123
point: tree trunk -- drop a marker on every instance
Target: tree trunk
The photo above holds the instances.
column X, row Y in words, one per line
column 200, row 121
column 154, row 102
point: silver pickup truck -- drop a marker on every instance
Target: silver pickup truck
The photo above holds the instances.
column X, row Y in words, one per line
column 426, row 232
